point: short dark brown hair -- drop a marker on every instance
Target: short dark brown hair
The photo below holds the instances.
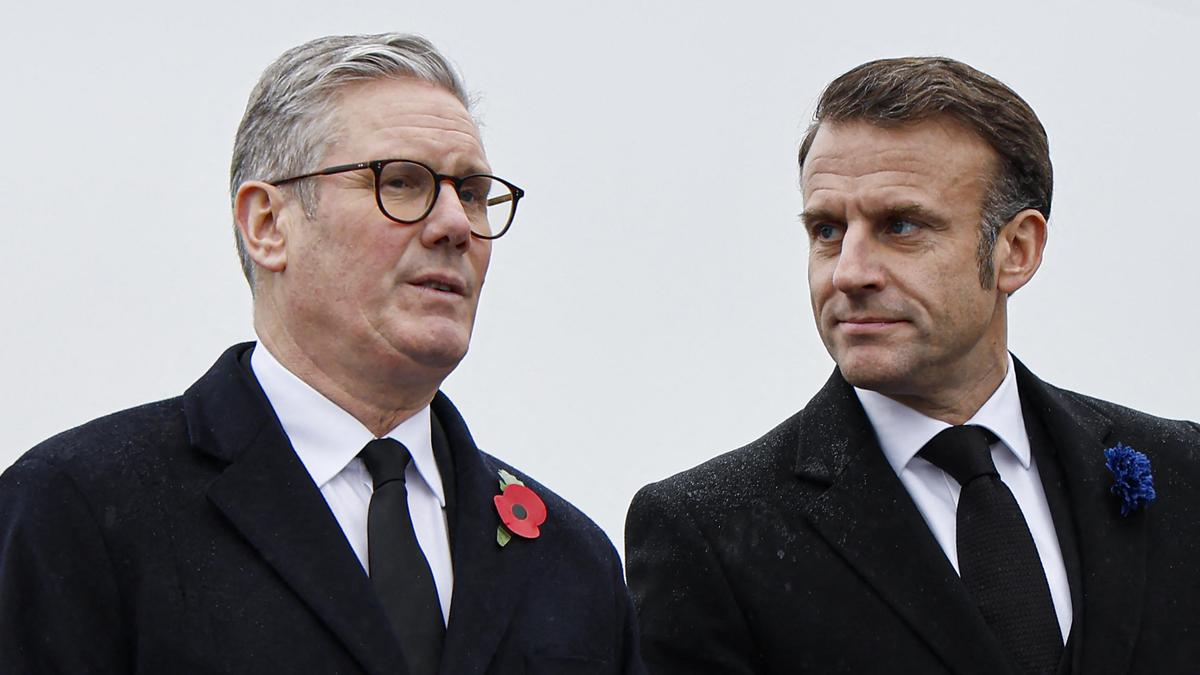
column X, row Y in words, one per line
column 902, row 91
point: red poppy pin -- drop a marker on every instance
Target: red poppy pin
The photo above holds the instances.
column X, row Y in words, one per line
column 521, row 510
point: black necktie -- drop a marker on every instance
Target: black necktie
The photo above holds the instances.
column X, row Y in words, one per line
column 399, row 570
column 997, row 559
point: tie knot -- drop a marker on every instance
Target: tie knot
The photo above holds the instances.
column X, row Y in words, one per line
column 386, row 459
column 964, row 452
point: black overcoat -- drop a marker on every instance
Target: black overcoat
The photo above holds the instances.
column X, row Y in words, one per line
column 803, row 553
column 185, row 536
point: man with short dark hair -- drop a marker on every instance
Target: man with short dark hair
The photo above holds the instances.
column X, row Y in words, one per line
column 314, row 503
column 935, row 508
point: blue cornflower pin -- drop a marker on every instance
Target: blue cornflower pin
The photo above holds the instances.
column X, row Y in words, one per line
column 1132, row 481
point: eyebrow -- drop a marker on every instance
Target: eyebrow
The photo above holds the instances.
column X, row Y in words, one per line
column 913, row 210
column 811, row 217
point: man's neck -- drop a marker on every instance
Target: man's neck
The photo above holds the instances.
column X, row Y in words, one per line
column 380, row 402
column 956, row 405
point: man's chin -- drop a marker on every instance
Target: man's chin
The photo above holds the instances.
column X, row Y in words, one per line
column 439, row 344
column 441, row 351
column 871, row 372
column 443, row 355
column 425, row 357
column 445, row 362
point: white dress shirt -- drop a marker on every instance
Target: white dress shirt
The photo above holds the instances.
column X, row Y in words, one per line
column 327, row 439
column 902, row 432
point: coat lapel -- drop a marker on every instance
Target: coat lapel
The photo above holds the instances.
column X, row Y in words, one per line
column 860, row 507
column 1112, row 548
column 270, row 499
column 489, row 581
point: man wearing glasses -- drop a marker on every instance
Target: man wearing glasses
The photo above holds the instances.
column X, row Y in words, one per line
column 313, row 503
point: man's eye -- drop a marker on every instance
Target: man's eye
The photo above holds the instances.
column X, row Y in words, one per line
column 474, row 191
column 902, row 227
column 400, row 185
column 827, row 232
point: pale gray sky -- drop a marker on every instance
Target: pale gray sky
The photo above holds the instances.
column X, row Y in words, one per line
column 649, row 308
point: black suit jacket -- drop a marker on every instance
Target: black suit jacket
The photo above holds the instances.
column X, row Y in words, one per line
column 802, row 552
column 185, row 536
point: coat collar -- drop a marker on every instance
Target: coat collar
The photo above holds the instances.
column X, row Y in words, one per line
column 268, row 496
column 489, row 581
column 862, row 510
column 1112, row 549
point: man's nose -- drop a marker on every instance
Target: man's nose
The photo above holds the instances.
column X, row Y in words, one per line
column 447, row 222
column 859, row 265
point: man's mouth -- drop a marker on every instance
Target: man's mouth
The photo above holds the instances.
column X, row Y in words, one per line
column 868, row 319
column 866, row 325
column 441, row 282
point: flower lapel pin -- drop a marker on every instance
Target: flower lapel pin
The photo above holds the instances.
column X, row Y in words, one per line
column 1132, row 481
column 521, row 510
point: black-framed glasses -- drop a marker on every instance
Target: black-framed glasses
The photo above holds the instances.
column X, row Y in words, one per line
column 406, row 191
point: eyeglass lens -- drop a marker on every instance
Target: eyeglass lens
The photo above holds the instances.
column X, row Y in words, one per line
column 406, row 192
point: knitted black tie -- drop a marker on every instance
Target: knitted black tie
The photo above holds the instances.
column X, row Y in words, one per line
column 399, row 570
column 997, row 559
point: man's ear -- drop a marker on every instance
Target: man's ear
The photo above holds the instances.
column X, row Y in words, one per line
column 1019, row 247
column 261, row 217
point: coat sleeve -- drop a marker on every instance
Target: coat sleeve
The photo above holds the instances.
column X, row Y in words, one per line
column 59, row 607
column 689, row 618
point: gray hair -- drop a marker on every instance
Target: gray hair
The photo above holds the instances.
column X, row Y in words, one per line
column 290, row 117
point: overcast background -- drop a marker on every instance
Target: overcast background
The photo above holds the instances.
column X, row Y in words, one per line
column 649, row 308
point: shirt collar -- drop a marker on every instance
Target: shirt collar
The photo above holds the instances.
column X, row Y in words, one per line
column 902, row 431
column 325, row 437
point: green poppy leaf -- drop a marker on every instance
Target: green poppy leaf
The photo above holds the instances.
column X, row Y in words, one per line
column 507, row 479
